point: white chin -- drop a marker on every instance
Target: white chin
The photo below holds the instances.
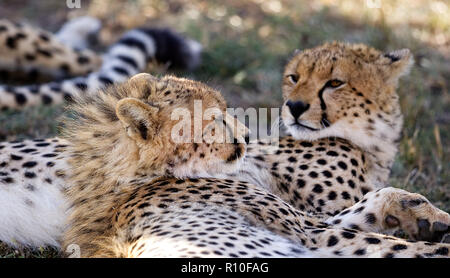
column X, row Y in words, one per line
column 299, row 132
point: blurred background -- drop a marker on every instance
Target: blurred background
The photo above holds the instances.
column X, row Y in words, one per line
column 246, row 45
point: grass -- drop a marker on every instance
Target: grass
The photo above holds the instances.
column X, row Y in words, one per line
column 247, row 44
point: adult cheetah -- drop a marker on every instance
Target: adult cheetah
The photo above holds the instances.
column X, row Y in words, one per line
column 342, row 110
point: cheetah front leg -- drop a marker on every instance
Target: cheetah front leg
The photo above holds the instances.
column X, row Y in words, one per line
column 389, row 209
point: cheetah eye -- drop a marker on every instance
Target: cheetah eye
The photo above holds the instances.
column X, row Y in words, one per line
column 334, row 83
column 293, row 78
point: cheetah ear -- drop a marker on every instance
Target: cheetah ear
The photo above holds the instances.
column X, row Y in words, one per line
column 296, row 52
column 143, row 76
column 138, row 118
column 397, row 63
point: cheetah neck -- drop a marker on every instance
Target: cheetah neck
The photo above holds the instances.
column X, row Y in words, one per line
column 379, row 145
column 378, row 142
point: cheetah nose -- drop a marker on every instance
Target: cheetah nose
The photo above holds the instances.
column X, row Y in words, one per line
column 297, row 108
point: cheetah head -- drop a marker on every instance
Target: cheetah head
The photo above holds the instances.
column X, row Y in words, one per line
column 183, row 125
column 344, row 90
column 158, row 126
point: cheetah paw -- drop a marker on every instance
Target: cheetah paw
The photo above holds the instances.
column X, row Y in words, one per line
column 416, row 216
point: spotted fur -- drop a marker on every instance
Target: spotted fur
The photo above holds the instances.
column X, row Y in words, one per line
column 30, row 49
column 37, row 53
column 256, row 212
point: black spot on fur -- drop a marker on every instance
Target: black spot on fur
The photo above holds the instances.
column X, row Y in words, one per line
column 318, row 188
column 30, row 175
column 327, row 174
column 332, row 195
column 292, row 159
column 345, row 195
column 45, row 53
column 11, row 42
column 300, row 183
column 370, row 218
column 8, row 180
column 304, row 167
column 399, row 247
column 332, row 241
column 82, row 60
column 65, row 68
column 342, row 165
column 46, row 99
column 307, row 156
column 20, row 98
column 372, row 240
column 30, row 57
column 332, row 153
column 29, row 164
column 351, row 183
column 306, row 144
column 16, row 157
column 348, row 235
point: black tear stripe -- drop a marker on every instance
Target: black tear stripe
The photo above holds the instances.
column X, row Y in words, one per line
column 323, row 106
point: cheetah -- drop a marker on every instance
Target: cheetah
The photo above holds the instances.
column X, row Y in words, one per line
column 80, row 71
column 32, row 51
column 311, row 240
column 134, row 195
column 345, row 136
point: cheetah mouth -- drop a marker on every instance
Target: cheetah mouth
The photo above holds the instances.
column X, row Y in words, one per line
column 298, row 125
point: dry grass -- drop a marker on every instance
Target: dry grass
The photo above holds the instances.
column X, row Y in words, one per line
column 248, row 42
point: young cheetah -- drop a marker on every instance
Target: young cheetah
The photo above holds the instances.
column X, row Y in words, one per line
column 123, row 204
column 311, row 231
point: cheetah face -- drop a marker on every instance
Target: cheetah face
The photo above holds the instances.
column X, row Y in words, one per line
column 337, row 88
column 181, row 128
column 220, row 151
